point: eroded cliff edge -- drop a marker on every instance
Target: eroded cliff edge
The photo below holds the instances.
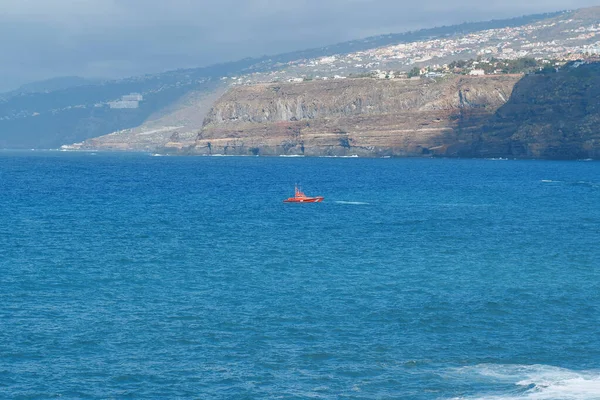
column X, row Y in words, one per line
column 364, row 117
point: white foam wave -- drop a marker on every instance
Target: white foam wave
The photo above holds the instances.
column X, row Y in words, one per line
column 537, row 382
column 231, row 155
column 351, row 156
column 549, row 181
column 352, row 202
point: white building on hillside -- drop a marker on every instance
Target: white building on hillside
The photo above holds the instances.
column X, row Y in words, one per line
column 131, row 100
column 477, row 72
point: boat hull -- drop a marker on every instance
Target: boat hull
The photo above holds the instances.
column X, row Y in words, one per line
column 305, row 200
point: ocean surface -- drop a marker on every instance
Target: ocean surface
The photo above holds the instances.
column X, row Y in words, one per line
column 131, row 276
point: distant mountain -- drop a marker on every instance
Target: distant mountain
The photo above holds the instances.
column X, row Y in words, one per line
column 66, row 110
column 51, row 85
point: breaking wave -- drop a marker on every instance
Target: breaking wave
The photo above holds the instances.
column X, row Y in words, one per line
column 538, row 382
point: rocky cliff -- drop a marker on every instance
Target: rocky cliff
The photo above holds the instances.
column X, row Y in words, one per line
column 365, row 117
column 554, row 116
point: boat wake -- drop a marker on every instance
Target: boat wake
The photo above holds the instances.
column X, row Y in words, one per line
column 356, row 203
column 574, row 183
column 539, row 382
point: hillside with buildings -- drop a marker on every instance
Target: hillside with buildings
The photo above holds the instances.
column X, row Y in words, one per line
column 560, row 38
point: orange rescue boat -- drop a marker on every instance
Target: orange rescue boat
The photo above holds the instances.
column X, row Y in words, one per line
column 300, row 197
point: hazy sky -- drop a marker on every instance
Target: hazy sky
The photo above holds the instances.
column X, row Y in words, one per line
column 40, row 39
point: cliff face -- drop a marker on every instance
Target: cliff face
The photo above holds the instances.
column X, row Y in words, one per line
column 366, row 117
column 555, row 116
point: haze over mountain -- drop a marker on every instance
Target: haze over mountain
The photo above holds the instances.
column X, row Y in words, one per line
column 112, row 39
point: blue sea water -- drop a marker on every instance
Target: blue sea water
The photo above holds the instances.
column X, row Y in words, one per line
column 129, row 276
